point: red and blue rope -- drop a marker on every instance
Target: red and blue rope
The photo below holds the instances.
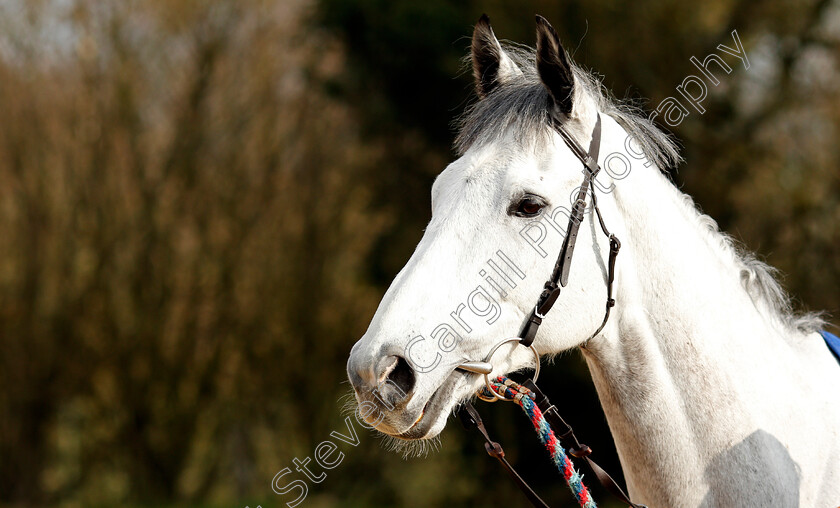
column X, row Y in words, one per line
column 524, row 397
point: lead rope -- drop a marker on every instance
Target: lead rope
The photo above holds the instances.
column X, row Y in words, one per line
column 524, row 398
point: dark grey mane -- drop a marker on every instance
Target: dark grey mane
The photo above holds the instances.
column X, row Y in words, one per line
column 522, row 103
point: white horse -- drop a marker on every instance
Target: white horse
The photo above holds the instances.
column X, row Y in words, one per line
column 715, row 392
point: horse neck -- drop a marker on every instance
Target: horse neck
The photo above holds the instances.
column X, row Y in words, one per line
column 686, row 348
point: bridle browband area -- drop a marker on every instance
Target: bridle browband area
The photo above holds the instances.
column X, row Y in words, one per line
column 559, row 278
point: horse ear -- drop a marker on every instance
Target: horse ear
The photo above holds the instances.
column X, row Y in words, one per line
column 491, row 65
column 554, row 67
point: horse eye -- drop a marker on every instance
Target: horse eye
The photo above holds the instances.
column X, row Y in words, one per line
column 528, row 206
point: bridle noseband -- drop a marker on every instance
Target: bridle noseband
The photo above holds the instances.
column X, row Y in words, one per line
column 551, row 290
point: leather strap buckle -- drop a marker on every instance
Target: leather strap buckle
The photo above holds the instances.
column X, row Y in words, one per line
column 580, row 451
column 615, row 244
column 547, row 299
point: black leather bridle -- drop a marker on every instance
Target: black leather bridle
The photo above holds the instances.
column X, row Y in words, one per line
column 560, row 275
column 559, row 278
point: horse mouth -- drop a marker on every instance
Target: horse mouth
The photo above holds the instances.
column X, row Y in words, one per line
column 441, row 402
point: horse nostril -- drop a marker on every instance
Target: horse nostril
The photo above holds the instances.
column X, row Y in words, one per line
column 400, row 374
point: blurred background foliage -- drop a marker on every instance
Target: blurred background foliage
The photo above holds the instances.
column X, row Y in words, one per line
column 201, row 203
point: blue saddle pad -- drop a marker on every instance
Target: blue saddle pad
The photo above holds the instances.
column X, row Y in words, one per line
column 833, row 343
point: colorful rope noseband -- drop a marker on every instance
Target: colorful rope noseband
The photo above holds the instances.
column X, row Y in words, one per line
column 524, row 397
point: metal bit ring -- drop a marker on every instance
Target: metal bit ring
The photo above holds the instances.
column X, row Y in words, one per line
column 496, row 396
